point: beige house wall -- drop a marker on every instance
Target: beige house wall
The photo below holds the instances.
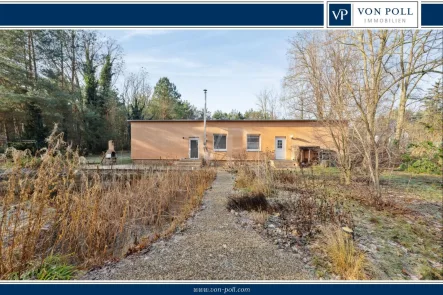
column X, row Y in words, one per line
column 170, row 139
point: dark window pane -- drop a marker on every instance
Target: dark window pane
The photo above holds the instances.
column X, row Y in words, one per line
column 219, row 142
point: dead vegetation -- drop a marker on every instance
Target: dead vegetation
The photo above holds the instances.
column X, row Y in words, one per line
column 394, row 236
column 51, row 207
column 302, row 214
column 346, row 259
column 248, row 202
column 308, row 204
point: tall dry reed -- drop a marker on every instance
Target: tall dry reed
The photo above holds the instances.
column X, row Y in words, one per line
column 51, row 207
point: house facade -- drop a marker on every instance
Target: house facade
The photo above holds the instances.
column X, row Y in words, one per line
column 297, row 140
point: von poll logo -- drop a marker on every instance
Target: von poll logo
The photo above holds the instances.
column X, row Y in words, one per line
column 377, row 14
column 340, row 14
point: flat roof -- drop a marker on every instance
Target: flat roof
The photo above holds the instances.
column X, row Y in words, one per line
column 223, row 120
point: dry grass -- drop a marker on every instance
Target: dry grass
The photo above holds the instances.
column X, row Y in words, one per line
column 51, row 207
column 259, row 217
column 346, row 260
column 257, row 177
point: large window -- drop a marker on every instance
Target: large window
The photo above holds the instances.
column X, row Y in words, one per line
column 220, row 142
column 253, row 142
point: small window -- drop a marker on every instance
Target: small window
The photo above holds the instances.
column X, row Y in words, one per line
column 253, row 143
column 279, row 143
column 219, row 142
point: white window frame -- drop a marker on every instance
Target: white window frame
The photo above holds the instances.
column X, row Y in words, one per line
column 220, row 150
column 259, row 143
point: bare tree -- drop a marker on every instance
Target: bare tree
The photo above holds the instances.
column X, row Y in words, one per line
column 319, row 67
column 136, row 94
column 419, row 53
column 267, row 103
column 354, row 77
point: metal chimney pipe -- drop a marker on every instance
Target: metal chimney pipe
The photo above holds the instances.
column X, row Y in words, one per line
column 204, row 125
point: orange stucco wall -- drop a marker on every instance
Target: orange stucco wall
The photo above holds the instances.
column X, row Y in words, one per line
column 170, row 140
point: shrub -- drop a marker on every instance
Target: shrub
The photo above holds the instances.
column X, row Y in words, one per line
column 421, row 166
column 424, row 157
column 248, row 202
column 24, row 146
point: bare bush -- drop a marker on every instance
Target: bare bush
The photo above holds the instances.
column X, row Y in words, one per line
column 311, row 202
column 248, row 202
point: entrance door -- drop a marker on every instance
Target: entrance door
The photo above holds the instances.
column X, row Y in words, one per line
column 193, row 148
column 280, row 148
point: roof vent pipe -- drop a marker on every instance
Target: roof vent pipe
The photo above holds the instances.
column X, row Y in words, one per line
column 204, row 126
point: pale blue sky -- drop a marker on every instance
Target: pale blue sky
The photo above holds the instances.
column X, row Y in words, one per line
column 234, row 65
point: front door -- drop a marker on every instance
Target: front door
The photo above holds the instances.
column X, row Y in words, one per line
column 280, row 148
column 193, row 148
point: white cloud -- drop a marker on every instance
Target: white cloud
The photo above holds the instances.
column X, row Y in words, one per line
column 155, row 62
column 142, row 33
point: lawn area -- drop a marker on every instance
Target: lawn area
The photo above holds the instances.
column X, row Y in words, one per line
column 123, row 157
column 423, row 186
column 419, row 186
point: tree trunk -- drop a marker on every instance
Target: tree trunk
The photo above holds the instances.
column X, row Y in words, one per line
column 62, row 62
column 33, row 56
column 31, row 72
column 73, row 60
column 25, row 61
column 400, row 115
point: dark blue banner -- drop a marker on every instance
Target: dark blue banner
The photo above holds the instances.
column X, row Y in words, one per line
column 432, row 14
column 94, row 289
column 163, row 15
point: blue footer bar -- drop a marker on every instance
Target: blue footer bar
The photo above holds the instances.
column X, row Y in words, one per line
column 228, row 288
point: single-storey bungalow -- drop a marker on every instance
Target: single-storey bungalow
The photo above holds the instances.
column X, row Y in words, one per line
column 297, row 140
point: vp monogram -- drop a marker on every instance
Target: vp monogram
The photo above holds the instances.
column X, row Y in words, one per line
column 341, row 13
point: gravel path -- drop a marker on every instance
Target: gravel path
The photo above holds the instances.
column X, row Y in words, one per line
column 213, row 247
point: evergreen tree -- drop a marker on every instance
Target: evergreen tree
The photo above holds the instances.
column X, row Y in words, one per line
column 105, row 81
column 34, row 126
column 90, row 80
column 219, row 115
column 165, row 99
column 432, row 115
column 235, row 115
column 253, row 115
column 185, row 110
